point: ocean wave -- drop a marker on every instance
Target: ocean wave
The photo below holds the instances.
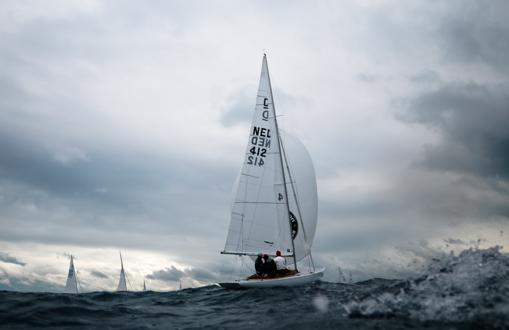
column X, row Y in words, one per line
column 469, row 290
column 470, row 287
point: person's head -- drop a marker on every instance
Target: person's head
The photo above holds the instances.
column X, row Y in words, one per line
column 260, row 255
column 265, row 256
column 278, row 253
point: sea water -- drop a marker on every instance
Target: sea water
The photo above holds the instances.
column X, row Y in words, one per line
column 468, row 291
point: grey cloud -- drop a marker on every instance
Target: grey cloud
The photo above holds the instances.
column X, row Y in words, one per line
column 467, row 38
column 454, row 241
column 239, row 107
column 425, row 77
column 34, row 286
column 472, row 120
column 4, row 257
column 98, row 274
column 65, row 177
column 202, row 275
column 173, row 274
column 367, row 78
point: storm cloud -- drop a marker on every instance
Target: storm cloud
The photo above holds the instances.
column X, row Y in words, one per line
column 172, row 274
column 471, row 120
column 98, row 274
column 4, row 257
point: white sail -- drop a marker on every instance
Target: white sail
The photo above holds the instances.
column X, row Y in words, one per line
column 275, row 201
column 259, row 216
column 302, row 193
column 71, row 286
column 122, row 285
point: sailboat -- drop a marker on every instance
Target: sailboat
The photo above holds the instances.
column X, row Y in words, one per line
column 144, row 286
column 71, row 286
column 275, row 198
column 122, row 285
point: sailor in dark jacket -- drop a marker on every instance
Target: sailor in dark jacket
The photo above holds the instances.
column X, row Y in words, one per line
column 269, row 266
column 259, row 264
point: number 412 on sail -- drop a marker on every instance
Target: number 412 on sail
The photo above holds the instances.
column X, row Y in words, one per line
column 253, row 159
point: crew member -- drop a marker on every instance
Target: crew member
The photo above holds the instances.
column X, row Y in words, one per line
column 259, row 264
column 280, row 263
column 269, row 266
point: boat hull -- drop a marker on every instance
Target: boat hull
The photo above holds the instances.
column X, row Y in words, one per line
column 294, row 280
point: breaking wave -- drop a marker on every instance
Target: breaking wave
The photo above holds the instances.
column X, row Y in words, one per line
column 470, row 287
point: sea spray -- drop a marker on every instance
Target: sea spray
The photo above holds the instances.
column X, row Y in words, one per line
column 473, row 286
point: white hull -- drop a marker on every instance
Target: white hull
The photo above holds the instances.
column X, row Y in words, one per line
column 295, row 280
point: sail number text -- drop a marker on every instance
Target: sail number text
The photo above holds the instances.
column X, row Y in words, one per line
column 260, row 142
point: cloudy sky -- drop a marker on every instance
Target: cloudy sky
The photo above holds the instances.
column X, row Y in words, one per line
column 123, row 125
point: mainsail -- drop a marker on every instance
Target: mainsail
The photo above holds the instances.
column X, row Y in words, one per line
column 122, row 285
column 269, row 214
column 71, row 286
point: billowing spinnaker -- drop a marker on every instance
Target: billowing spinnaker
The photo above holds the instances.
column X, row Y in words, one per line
column 302, row 180
column 259, row 217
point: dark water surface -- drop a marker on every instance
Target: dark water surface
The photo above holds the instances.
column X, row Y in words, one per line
column 469, row 291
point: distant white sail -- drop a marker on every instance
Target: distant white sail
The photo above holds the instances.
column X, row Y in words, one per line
column 122, row 285
column 259, row 216
column 71, row 286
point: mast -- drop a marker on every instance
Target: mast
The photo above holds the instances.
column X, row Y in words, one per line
column 281, row 163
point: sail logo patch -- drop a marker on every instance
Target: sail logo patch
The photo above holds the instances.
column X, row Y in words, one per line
column 294, row 225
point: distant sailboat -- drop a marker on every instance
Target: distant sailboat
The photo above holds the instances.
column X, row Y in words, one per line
column 144, row 286
column 71, row 286
column 180, row 284
column 275, row 202
column 122, row 285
